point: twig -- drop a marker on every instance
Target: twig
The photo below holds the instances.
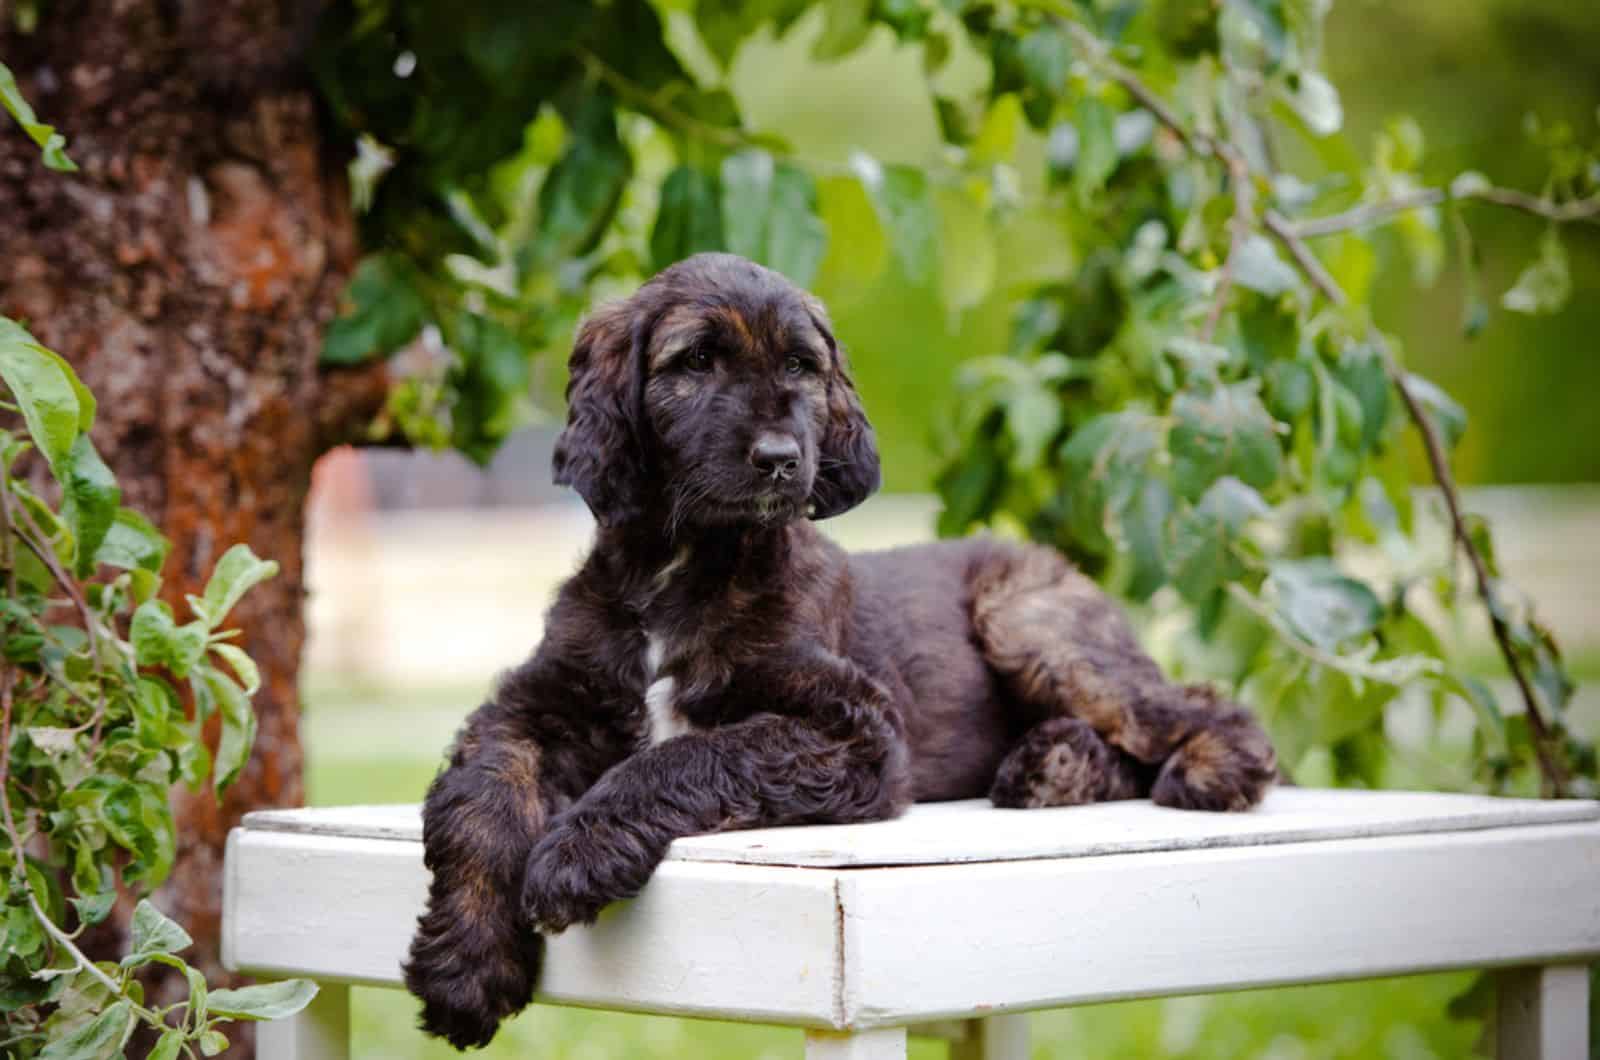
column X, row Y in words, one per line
column 1243, row 207
column 661, row 111
column 1373, row 212
column 1438, row 463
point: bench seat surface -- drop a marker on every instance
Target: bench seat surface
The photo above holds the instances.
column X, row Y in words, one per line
column 973, row 831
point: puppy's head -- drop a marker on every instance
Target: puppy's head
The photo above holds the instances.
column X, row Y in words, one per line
column 715, row 395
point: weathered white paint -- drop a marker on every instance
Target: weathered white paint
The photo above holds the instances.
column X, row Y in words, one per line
column 320, row 1031
column 951, row 832
column 887, row 1043
column 983, row 911
column 1543, row 1013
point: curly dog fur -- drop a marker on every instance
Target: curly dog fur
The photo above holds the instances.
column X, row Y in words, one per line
column 717, row 663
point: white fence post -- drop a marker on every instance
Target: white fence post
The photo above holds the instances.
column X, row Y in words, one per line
column 888, row 1043
column 320, row 1031
column 1543, row 1013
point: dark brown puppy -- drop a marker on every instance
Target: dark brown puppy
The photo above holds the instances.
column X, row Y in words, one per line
column 717, row 663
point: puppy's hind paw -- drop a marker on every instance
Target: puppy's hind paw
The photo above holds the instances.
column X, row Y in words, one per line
column 1228, row 765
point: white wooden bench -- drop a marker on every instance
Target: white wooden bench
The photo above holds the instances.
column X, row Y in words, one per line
column 959, row 917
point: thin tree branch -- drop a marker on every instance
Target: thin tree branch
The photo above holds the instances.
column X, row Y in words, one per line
column 1243, row 207
column 659, row 109
column 1373, row 212
column 1294, row 243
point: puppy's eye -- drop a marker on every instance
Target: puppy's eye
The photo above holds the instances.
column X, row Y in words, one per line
column 698, row 359
column 795, row 365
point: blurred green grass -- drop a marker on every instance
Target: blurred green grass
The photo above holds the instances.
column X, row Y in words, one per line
column 1403, row 1019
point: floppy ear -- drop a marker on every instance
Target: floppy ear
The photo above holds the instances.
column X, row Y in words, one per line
column 847, row 466
column 601, row 453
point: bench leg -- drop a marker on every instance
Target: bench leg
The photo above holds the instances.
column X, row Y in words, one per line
column 888, row 1043
column 993, row 1038
column 320, row 1031
column 1543, row 1013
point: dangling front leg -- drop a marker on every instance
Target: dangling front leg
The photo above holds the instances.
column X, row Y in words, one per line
column 472, row 963
column 842, row 761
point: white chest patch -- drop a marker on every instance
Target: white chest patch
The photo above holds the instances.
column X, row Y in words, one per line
column 662, row 717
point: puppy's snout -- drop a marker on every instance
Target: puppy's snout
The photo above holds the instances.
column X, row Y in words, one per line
column 775, row 456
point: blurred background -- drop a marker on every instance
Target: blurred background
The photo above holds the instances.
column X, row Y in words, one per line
column 428, row 575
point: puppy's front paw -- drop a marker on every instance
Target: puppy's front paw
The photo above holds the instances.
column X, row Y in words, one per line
column 1226, row 766
column 469, row 983
column 571, row 876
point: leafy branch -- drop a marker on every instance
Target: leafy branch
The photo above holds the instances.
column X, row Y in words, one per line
column 93, row 735
column 1293, row 240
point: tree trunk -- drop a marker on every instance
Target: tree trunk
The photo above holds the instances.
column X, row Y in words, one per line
column 187, row 272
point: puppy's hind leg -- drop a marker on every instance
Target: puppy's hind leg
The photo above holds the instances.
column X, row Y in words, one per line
column 1064, row 649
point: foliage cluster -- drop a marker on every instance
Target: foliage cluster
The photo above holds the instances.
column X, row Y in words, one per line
column 93, row 731
column 1195, row 403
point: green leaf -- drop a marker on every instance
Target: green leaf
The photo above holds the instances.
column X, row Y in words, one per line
column 581, row 193
column 89, row 502
column 244, row 666
column 199, row 994
column 1317, row 102
column 154, row 932
column 236, row 573
column 1046, row 57
column 43, row 390
column 491, row 382
column 1545, row 285
column 238, row 727
column 1491, row 722
column 1144, row 526
column 159, row 641
column 99, row 1039
column 1362, row 372
column 1033, row 417
column 1321, row 604
column 383, row 311
column 689, row 219
column 1097, row 149
column 1448, row 417
column 844, row 29
column 1107, row 461
column 747, row 201
column 1258, row 267
column 23, row 935
column 213, row 1042
column 1261, row 25
column 264, row 1001
column 51, row 143
column 1224, row 432
column 900, row 197
column 769, row 215
column 797, row 239
column 1202, row 556
column 132, row 543
column 95, row 908
column 167, row 1046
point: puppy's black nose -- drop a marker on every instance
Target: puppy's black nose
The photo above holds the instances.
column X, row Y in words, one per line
column 776, row 455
